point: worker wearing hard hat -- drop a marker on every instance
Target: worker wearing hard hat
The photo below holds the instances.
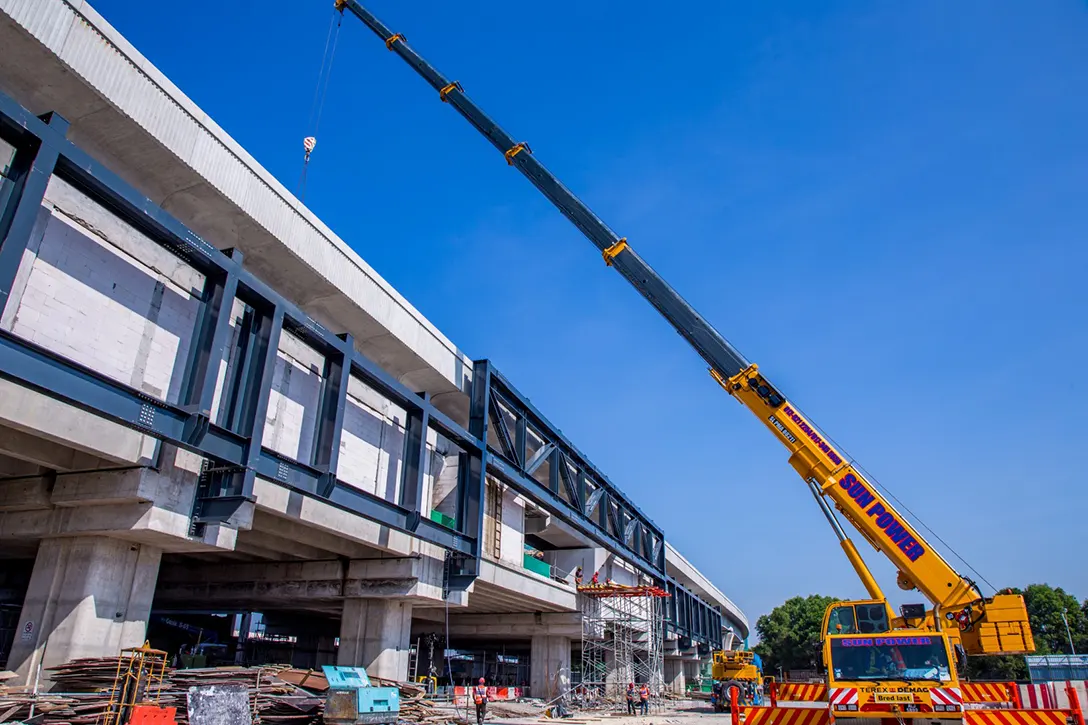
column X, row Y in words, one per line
column 479, row 696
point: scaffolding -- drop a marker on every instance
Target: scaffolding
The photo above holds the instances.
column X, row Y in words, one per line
column 622, row 640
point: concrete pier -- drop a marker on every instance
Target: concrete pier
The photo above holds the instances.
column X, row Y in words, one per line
column 375, row 634
column 550, row 666
column 89, row 596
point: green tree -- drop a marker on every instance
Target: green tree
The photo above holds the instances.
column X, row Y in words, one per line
column 1045, row 608
column 1046, row 604
column 789, row 637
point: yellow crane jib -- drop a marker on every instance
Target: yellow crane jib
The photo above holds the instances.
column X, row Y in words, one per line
column 987, row 626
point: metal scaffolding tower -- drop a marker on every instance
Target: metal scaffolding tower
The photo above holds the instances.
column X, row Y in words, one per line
column 622, row 640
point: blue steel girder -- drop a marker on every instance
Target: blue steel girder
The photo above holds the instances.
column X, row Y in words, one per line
column 691, row 617
column 620, row 527
column 576, row 492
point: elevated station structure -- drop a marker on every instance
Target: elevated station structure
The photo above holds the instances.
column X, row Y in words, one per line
column 210, row 403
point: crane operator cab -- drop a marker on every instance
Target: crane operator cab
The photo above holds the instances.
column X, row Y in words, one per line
column 874, row 670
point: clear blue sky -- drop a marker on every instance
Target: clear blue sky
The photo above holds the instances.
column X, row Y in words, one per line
column 881, row 203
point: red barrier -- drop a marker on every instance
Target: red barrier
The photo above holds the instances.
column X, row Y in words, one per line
column 1074, row 703
column 786, row 716
column 1015, row 717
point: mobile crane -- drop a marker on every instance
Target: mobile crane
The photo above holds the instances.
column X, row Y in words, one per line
column 877, row 664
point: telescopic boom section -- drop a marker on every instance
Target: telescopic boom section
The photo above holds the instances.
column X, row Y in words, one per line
column 707, row 341
column 811, row 455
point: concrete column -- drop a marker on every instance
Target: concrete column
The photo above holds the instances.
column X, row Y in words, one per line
column 375, row 634
column 621, row 672
column 549, row 666
column 691, row 670
column 674, row 676
column 89, row 596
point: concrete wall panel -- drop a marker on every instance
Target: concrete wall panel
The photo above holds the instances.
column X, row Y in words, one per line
column 513, row 528
column 85, row 298
column 292, row 405
column 372, row 444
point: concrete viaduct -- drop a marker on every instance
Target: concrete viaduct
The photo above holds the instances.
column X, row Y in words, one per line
column 210, row 404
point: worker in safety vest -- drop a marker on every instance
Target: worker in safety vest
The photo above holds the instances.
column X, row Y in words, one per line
column 479, row 696
column 631, row 698
column 644, row 698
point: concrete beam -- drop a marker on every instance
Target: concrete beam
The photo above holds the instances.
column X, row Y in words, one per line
column 45, row 453
column 283, row 548
column 406, row 578
column 293, row 530
column 13, row 467
column 275, row 499
column 42, row 417
column 548, row 595
column 518, row 625
column 139, row 505
column 26, row 494
column 684, row 572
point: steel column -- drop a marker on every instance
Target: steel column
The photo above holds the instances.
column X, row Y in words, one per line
column 31, row 170
column 330, row 417
column 415, row 460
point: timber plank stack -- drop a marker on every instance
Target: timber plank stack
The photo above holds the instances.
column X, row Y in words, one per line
column 83, row 693
column 86, row 684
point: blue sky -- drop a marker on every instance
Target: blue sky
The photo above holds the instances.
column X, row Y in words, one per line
column 881, row 203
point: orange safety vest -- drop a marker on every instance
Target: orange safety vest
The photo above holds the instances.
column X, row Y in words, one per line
column 644, row 693
column 480, row 694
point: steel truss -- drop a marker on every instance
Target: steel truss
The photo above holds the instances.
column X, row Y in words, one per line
column 694, row 620
column 622, row 640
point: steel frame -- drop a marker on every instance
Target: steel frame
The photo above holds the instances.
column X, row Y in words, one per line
column 692, row 618
column 232, row 446
column 575, row 491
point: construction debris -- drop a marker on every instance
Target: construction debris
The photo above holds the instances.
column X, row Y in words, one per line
column 278, row 695
column 86, row 685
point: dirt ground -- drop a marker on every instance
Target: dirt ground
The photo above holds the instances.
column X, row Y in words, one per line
column 671, row 712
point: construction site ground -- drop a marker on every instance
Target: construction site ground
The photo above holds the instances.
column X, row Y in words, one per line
column 672, row 712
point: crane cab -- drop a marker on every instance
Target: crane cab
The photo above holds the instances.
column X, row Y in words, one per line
column 868, row 616
column 877, row 669
column 903, row 674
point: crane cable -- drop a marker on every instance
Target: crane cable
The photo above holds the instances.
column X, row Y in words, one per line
column 321, row 88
